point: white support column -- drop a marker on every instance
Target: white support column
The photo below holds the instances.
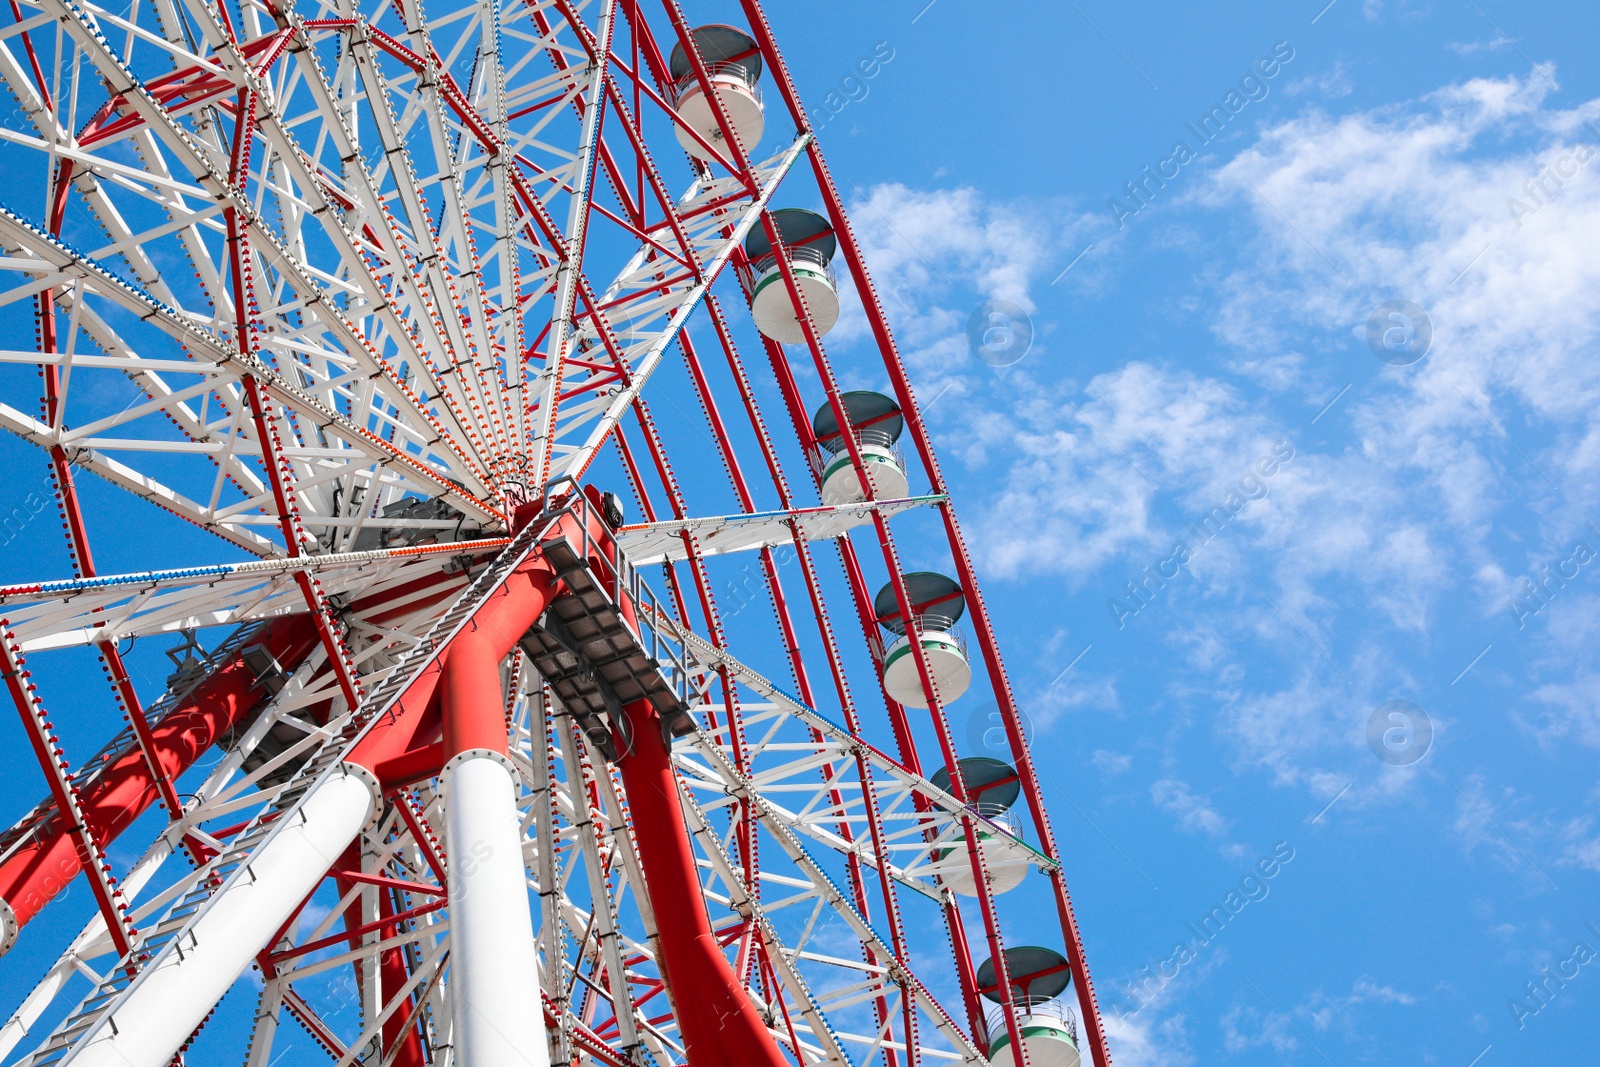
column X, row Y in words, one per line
column 496, row 1014
column 164, row 1005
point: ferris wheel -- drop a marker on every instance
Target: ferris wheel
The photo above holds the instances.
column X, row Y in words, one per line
column 467, row 758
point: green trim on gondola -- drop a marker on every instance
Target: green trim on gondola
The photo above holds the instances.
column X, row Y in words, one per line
column 800, row 271
column 929, row 641
column 1004, row 1040
column 868, row 455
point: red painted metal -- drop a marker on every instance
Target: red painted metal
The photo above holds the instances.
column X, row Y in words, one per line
column 470, row 687
column 709, row 999
column 72, row 515
column 878, row 321
column 791, row 644
column 719, row 1024
column 400, row 1037
column 457, row 705
column 125, row 788
column 47, row 750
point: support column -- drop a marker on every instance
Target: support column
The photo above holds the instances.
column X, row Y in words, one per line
column 494, row 982
column 34, row 872
column 168, row 1001
column 499, row 1021
column 719, row 1023
column 494, row 978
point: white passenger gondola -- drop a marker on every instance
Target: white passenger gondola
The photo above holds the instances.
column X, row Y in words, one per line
column 936, row 605
column 1048, row 1026
column 733, row 66
column 992, row 788
column 875, row 422
column 810, row 243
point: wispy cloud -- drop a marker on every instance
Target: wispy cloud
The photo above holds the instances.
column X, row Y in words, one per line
column 1194, row 812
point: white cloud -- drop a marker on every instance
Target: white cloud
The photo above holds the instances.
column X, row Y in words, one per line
column 1087, row 481
column 1472, row 48
column 1582, row 845
column 1246, row 1028
column 1194, row 812
column 1076, row 478
column 1112, row 763
column 935, row 256
column 1574, row 709
column 1566, row 630
column 1419, row 202
column 1331, row 84
column 1145, row 1040
column 1495, row 820
column 1326, row 1012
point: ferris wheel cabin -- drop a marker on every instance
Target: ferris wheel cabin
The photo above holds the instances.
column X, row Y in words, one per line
column 992, row 788
column 937, row 604
column 1039, row 976
column 876, row 424
column 809, row 241
column 733, row 67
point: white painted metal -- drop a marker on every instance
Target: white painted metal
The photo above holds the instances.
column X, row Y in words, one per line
column 947, row 662
column 775, row 313
column 173, row 995
column 569, row 275
column 115, row 607
column 1006, row 867
column 798, row 775
column 118, row 606
column 1050, row 1038
column 90, row 941
column 840, row 485
column 720, row 535
column 404, row 255
column 739, row 102
column 494, row 980
column 658, row 312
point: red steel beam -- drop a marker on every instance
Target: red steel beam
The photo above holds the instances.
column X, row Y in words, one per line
column 33, row 874
column 983, row 628
column 718, row 1021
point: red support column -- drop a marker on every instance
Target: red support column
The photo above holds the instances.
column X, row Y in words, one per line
column 719, row 1023
column 126, row 788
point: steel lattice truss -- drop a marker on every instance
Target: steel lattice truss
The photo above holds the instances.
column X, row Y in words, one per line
column 368, row 292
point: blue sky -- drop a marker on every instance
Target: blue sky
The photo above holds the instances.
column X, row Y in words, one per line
column 1380, row 563
column 1210, row 351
